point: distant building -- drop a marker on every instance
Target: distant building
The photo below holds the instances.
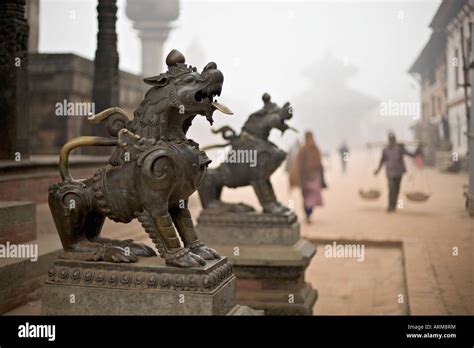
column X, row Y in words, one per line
column 58, row 77
column 440, row 69
column 430, row 69
column 457, row 14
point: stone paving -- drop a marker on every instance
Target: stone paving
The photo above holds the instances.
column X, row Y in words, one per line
column 429, row 234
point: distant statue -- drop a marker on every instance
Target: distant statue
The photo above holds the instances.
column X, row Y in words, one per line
column 251, row 160
column 151, row 174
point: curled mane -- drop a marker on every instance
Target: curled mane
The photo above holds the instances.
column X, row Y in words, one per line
column 147, row 116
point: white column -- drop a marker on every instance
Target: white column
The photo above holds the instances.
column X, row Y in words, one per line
column 153, row 38
column 153, row 18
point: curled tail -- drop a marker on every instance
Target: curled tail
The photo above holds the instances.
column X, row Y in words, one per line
column 75, row 143
column 227, row 132
column 115, row 119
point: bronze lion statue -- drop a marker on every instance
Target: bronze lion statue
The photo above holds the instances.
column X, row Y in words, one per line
column 251, row 160
column 150, row 176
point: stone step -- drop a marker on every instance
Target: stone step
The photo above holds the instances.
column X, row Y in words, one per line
column 21, row 279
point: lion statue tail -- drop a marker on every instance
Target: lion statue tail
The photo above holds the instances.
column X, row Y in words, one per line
column 115, row 118
column 227, row 132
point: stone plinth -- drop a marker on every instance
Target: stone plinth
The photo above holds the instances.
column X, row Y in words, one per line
column 147, row 287
column 268, row 256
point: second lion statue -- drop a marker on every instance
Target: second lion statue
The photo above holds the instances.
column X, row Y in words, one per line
column 151, row 174
column 268, row 157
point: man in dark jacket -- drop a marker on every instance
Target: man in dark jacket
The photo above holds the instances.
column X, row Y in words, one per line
column 392, row 157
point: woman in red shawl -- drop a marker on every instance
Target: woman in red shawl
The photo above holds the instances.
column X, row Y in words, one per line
column 307, row 173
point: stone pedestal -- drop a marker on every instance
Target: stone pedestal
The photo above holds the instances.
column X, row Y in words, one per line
column 147, row 287
column 268, row 256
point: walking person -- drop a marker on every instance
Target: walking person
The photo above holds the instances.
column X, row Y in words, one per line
column 392, row 157
column 290, row 164
column 308, row 172
column 344, row 153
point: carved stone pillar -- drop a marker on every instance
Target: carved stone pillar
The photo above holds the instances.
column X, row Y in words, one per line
column 106, row 70
column 14, row 115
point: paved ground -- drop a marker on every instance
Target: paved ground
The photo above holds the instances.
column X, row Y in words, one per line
column 409, row 266
column 373, row 286
column 410, row 251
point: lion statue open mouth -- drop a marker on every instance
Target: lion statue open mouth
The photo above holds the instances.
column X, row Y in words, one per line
column 152, row 172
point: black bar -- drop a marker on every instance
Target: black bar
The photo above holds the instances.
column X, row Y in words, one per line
column 316, row 330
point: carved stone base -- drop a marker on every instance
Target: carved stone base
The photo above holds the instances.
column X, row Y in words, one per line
column 147, row 287
column 268, row 256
